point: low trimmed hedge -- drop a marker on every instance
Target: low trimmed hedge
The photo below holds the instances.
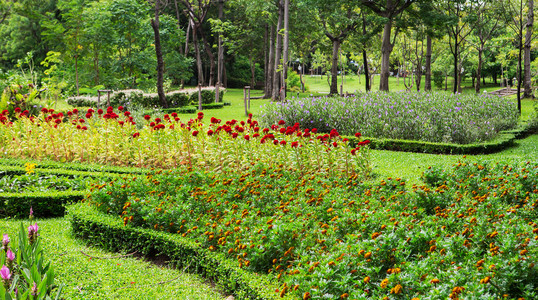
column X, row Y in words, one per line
column 503, row 141
column 59, row 166
column 44, row 204
column 110, row 233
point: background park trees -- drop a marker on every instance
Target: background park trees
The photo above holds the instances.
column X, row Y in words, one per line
column 115, row 44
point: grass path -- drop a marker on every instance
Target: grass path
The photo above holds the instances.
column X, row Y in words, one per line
column 117, row 278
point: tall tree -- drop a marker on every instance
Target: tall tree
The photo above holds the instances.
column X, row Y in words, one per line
column 196, row 11
column 278, row 51
column 527, row 55
column 339, row 20
column 159, row 54
column 390, row 10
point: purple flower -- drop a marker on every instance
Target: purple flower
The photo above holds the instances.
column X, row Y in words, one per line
column 6, row 275
column 10, row 255
column 5, row 241
column 34, row 289
column 32, row 233
column 31, row 213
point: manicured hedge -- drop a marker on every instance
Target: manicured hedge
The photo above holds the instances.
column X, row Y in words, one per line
column 110, row 233
column 503, row 141
column 45, row 205
column 47, row 164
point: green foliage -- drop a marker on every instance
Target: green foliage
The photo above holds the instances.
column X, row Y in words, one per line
column 294, row 82
column 273, row 221
column 31, row 276
column 435, row 117
column 110, row 233
column 208, row 97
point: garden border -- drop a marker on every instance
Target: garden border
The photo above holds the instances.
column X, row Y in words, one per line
column 503, row 141
column 110, row 233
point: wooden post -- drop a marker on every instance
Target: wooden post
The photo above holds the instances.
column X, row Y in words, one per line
column 217, row 96
column 98, row 98
column 245, row 100
column 248, row 97
column 108, row 97
column 199, row 97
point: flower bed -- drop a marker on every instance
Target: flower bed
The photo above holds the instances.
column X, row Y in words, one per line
column 470, row 232
column 436, row 117
column 112, row 138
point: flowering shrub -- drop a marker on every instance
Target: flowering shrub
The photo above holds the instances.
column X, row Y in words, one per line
column 436, row 117
column 471, row 231
column 111, row 137
column 24, row 274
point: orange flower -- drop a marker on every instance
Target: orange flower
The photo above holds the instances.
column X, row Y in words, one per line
column 434, row 281
column 384, row 283
column 397, row 289
column 306, row 296
column 366, row 279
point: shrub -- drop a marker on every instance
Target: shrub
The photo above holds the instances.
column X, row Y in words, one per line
column 436, row 117
column 208, row 96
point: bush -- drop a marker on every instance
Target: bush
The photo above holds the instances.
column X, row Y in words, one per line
column 110, row 233
column 208, row 97
column 436, row 117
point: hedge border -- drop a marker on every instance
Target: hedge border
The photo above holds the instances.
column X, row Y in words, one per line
column 503, row 141
column 44, row 204
column 110, row 233
column 82, row 167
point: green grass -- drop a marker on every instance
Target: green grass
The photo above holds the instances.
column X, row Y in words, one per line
column 128, row 277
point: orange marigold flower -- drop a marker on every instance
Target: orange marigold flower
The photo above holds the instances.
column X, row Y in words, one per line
column 306, row 296
column 344, row 296
column 434, row 281
column 368, row 255
column 384, row 283
column 397, row 289
column 366, row 279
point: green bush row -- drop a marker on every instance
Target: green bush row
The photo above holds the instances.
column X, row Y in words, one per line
column 503, row 141
column 187, row 109
column 47, row 164
column 44, row 204
column 110, row 233
column 138, row 98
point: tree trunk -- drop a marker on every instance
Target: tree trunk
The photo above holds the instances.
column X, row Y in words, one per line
column 211, row 57
column 334, row 67
column 265, row 58
column 479, row 70
column 252, row 72
column 198, row 56
column 159, row 54
column 428, row 79
column 186, row 45
column 386, row 49
column 456, row 71
column 528, row 39
column 96, row 64
column 278, row 48
column 366, row 71
column 285, row 50
column 270, row 65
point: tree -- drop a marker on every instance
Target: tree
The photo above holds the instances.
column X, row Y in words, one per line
column 527, row 54
column 339, row 20
column 159, row 55
column 196, row 12
column 390, row 10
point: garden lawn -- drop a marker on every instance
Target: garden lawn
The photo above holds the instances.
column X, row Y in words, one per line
column 85, row 277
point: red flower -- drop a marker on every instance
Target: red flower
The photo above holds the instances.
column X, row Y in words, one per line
column 210, row 132
column 84, row 128
column 283, row 143
column 69, row 113
column 282, row 130
column 174, row 115
column 281, row 122
column 88, row 115
column 158, row 120
column 353, row 151
column 18, row 110
column 335, row 144
column 152, row 124
column 44, row 110
column 78, row 126
column 195, row 133
column 147, row 117
column 255, row 135
column 100, row 111
column 275, row 142
column 294, row 144
column 121, row 123
column 176, row 119
column 256, row 129
column 136, row 134
column 126, row 113
column 75, row 111
column 120, row 108
column 167, row 117
column 249, row 116
column 314, row 130
column 247, row 137
column 57, row 121
column 234, row 135
column 358, row 135
column 265, row 130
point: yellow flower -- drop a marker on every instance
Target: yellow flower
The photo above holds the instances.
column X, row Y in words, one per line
column 384, row 283
column 30, row 168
